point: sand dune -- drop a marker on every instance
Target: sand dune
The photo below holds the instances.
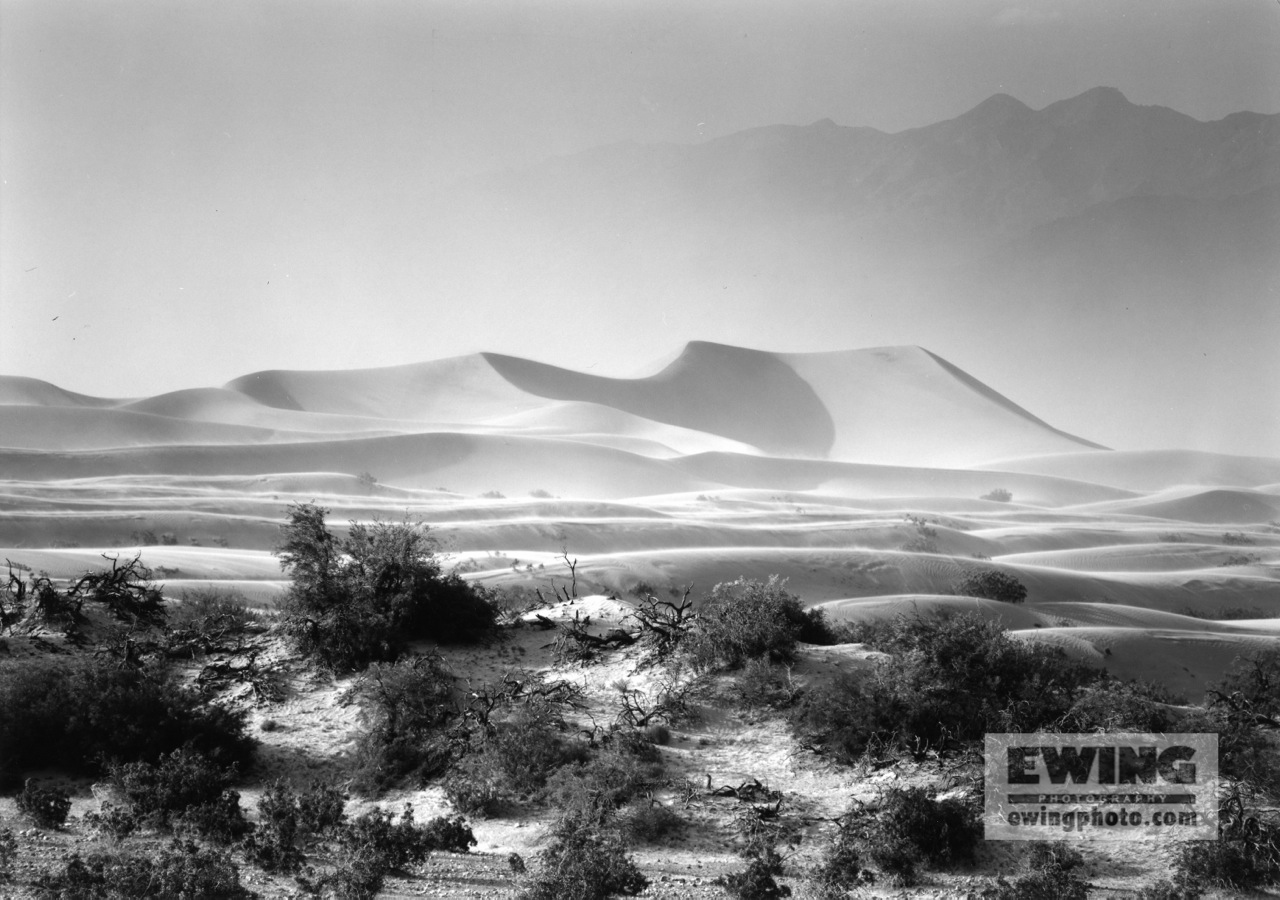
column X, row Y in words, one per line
column 460, row 389
column 888, row 405
column 745, row 395
column 859, row 476
column 16, row 390
column 1150, row 470
column 1173, row 557
column 71, row 428
column 1219, row 506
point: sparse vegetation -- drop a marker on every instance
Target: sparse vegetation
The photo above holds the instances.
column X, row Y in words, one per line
column 1237, row 539
column 179, row 871
column 44, row 807
column 1000, row 495
column 583, row 863
column 911, row 829
column 745, row 620
column 1050, row 875
column 409, row 711
column 991, row 584
column 949, row 680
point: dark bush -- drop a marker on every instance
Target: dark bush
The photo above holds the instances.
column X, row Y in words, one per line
column 186, row 790
column 409, row 714
column 44, row 807
column 991, row 585
column 1000, row 495
column 1111, row 705
column 950, row 679
column 744, row 620
column 362, row 598
column 761, row 684
column 759, row 880
column 593, row 791
column 840, row 870
column 179, row 871
column 376, row 845
column 583, row 863
column 274, row 844
column 513, row 762
column 8, row 854
column 75, row 713
column 911, row 829
column 1049, row 876
column 649, row 824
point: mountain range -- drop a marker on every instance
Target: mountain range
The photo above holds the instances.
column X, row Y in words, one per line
column 1131, row 249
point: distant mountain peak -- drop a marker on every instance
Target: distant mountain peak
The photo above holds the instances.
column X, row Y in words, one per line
column 999, row 107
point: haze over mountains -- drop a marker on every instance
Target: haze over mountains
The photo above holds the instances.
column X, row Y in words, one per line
column 1131, row 248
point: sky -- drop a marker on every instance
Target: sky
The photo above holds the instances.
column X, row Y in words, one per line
column 190, row 191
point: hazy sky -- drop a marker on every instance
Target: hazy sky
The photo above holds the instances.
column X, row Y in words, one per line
column 195, row 190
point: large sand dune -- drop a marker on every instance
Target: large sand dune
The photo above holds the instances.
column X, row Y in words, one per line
column 871, row 479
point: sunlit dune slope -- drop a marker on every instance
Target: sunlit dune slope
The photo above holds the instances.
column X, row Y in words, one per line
column 891, row 405
column 459, row 389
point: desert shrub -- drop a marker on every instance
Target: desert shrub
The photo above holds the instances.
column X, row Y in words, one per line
column 840, row 869
column 1000, row 495
column 375, row 844
column 745, row 620
column 125, row 590
column 759, row 880
column 210, row 612
column 1239, row 860
column 360, row 599
column 912, row 829
column 117, row 822
column 408, row 711
column 44, row 807
column 1166, row 889
column 8, row 853
column 517, row 755
column 183, row 790
column 762, row 684
column 1237, row 539
column 649, row 824
column 287, row 819
column 1049, row 876
column 179, row 871
column 540, row 494
column 948, row 679
column 992, row 585
column 583, row 863
column 925, row 539
column 1111, row 705
column 75, row 713
column 592, row 791
column 1244, row 709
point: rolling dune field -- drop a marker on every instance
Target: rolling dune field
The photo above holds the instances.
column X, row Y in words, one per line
column 865, row 478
